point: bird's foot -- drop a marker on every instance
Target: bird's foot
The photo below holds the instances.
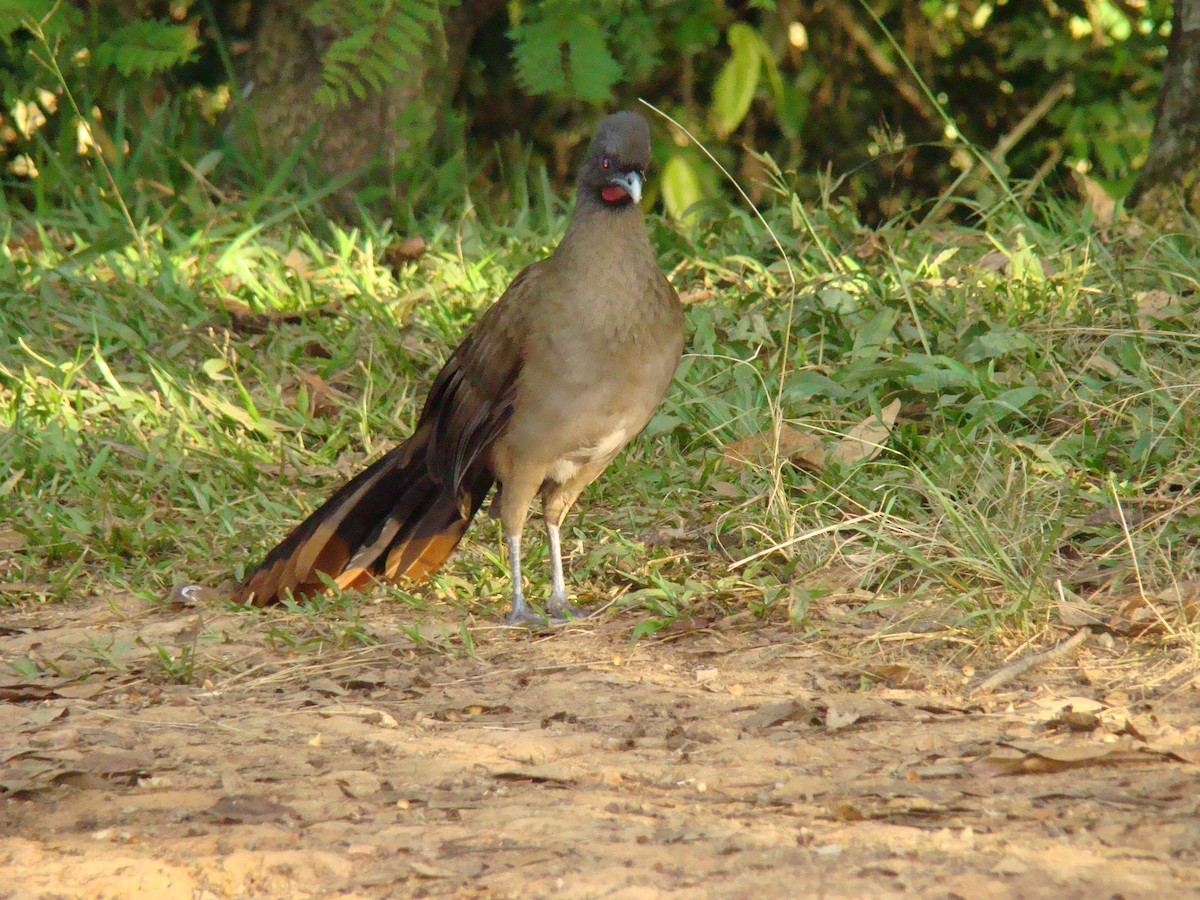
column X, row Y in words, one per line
column 526, row 618
column 529, row 618
column 569, row 614
column 558, row 612
column 523, row 616
column 561, row 610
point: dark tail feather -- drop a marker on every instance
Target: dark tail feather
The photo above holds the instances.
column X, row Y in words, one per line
column 392, row 520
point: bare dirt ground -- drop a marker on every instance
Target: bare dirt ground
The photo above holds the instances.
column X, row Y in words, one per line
column 727, row 757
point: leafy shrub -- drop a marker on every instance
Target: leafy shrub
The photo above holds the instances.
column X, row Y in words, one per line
column 891, row 97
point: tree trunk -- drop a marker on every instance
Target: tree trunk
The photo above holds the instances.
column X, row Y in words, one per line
column 1167, row 190
column 281, row 74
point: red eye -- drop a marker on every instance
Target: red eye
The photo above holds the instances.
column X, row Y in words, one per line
column 604, row 163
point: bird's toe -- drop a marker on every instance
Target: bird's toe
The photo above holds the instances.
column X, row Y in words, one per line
column 526, row 618
column 565, row 612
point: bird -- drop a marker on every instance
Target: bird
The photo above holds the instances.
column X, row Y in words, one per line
column 548, row 386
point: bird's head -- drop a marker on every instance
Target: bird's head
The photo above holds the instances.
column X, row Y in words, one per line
column 615, row 166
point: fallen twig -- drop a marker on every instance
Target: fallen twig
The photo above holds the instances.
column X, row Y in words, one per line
column 1023, row 665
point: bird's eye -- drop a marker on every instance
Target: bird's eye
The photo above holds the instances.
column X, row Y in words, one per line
column 604, row 163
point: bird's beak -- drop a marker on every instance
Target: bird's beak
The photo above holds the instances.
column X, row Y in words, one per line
column 631, row 183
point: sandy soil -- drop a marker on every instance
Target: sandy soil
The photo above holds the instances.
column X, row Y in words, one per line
column 725, row 758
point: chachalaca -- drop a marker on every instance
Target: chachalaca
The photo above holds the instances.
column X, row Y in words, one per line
column 554, row 379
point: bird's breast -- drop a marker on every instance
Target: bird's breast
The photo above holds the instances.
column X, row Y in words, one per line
column 601, row 452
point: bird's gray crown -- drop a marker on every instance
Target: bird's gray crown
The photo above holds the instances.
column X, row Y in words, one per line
column 624, row 137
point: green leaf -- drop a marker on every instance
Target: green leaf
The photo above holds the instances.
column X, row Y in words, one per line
column 564, row 54
column 806, row 384
column 774, row 79
column 994, row 344
column 374, row 42
column 735, row 86
column 1015, row 399
column 205, row 164
column 938, row 374
column 214, row 369
column 681, row 186
column 249, row 420
column 147, row 46
column 697, row 31
column 646, row 628
column 15, row 13
column 838, row 300
column 869, row 339
column 538, row 57
column 592, row 71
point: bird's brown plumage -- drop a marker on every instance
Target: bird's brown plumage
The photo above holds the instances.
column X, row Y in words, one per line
column 554, row 379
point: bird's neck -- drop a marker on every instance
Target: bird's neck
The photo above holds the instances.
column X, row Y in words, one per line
column 607, row 252
column 598, row 228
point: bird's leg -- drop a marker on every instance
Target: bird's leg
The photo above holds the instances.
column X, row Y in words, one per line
column 520, row 614
column 559, row 605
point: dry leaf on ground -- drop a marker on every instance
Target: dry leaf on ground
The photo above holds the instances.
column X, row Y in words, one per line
column 323, row 400
column 800, row 447
column 298, row 262
column 404, row 251
column 697, row 296
column 1095, row 198
column 865, row 440
column 1039, row 758
column 1153, row 306
column 11, row 540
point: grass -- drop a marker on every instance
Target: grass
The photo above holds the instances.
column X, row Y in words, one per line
column 169, row 414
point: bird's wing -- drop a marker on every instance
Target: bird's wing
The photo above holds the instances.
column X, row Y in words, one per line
column 471, row 400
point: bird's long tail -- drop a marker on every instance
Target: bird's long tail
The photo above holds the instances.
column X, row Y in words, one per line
column 392, row 520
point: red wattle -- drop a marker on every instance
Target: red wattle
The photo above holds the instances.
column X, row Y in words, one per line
column 611, row 193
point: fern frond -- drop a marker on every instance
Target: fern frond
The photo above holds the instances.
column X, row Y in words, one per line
column 375, row 40
column 147, row 46
column 560, row 51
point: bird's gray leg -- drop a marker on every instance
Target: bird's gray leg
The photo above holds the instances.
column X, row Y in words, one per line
column 559, row 605
column 520, row 614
